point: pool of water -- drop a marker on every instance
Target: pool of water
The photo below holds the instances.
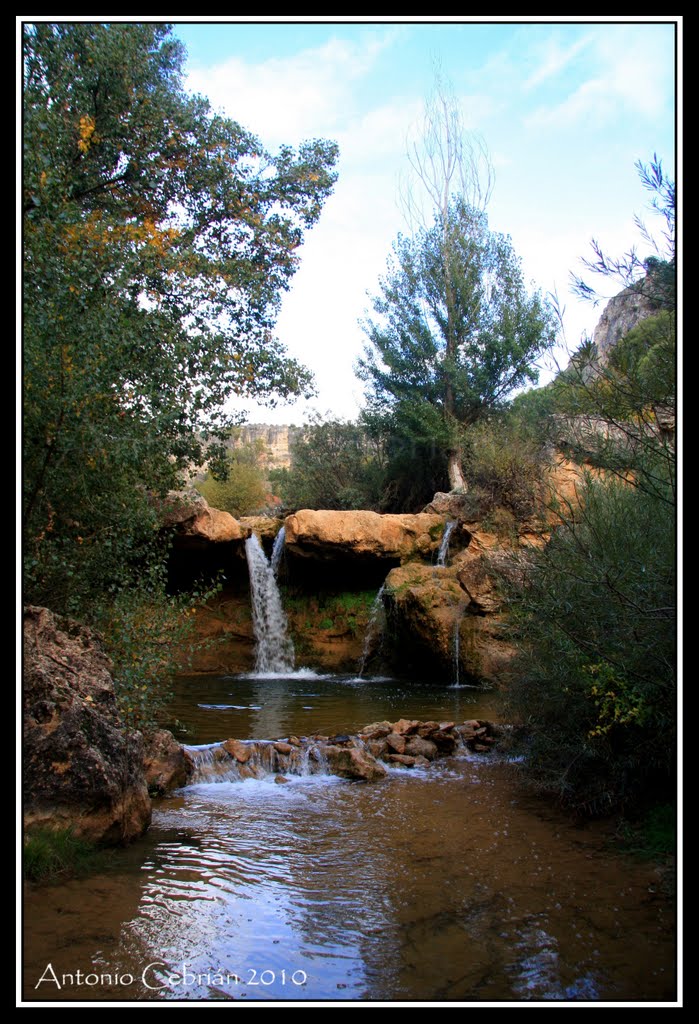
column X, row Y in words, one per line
column 438, row 884
column 206, row 709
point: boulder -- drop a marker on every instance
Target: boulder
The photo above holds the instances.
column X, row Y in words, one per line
column 190, row 515
column 83, row 769
column 238, row 750
column 324, row 534
column 351, row 763
column 428, row 610
column 419, row 747
column 165, row 765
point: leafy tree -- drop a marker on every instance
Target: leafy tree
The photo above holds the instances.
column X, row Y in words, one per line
column 158, row 238
column 334, row 465
column 243, row 491
column 455, row 331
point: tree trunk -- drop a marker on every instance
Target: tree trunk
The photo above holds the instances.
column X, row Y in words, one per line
column 456, row 477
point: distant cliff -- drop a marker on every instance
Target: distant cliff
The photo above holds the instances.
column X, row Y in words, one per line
column 275, row 442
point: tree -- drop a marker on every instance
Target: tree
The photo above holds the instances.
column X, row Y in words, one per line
column 244, row 490
column 158, row 238
column 653, row 275
column 334, row 465
column 455, row 331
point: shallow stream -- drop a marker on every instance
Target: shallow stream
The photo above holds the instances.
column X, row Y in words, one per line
column 442, row 883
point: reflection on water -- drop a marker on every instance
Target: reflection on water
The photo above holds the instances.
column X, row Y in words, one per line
column 436, row 884
column 206, row 709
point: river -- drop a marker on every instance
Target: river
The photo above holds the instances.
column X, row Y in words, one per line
column 445, row 883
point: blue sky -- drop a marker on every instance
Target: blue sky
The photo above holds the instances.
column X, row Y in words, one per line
column 565, row 110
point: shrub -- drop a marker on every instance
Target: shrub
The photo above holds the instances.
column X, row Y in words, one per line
column 594, row 614
column 504, row 466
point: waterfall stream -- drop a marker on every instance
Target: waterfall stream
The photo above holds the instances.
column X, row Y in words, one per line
column 274, row 651
column 371, row 629
column 278, row 550
column 444, row 546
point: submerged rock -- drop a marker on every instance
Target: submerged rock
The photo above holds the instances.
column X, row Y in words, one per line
column 82, row 769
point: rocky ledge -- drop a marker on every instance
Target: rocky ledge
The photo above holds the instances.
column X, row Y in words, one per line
column 407, row 743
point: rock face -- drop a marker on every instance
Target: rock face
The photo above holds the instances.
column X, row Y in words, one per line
column 274, row 440
column 620, row 315
column 448, row 619
column 363, row 535
column 82, row 769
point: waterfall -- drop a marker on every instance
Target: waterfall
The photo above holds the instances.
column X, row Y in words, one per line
column 274, row 650
column 456, row 685
column 444, row 546
column 371, row 629
column 278, row 550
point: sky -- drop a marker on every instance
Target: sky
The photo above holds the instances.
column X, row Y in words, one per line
column 565, row 110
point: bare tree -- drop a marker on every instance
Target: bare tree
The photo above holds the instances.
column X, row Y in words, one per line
column 446, row 160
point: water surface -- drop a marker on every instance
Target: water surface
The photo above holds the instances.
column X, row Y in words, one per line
column 441, row 884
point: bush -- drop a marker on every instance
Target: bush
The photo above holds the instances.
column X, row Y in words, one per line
column 334, row 465
column 505, row 467
column 243, row 489
column 149, row 636
column 594, row 614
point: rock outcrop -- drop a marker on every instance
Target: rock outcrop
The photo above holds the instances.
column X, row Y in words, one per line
column 621, row 314
column 82, row 769
column 363, row 535
column 189, row 515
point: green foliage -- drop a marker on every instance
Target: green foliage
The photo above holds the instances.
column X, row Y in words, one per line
column 594, row 614
column 504, row 469
column 454, row 330
column 653, row 835
column 243, row 491
column 49, row 854
column 334, row 465
column 158, row 238
column 595, row 609
column 346, row 612
column 149, row 636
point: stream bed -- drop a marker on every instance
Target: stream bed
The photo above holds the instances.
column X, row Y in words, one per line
column 443, row 883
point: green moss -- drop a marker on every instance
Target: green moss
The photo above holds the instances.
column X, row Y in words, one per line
column 436, row 532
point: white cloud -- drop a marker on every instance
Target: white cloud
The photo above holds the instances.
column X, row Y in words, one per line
column 287, row 99
column 555, row 59
column 633, row 76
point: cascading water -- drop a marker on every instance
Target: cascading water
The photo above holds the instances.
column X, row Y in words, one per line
column 456, row 685
column 274, row 651
column 444, row 546
column 278, row 550
column 371, row 629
